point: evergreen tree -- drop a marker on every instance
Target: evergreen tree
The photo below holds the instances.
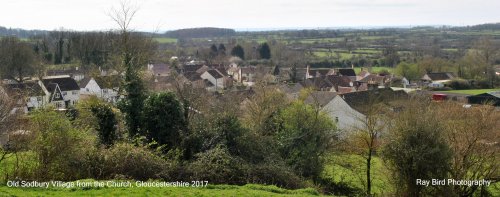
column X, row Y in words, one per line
column 238, row 52
column 106, row 123
column 164, row 119
column 265, row 51
column 222, row 49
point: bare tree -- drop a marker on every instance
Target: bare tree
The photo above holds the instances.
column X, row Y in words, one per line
column 473, row 136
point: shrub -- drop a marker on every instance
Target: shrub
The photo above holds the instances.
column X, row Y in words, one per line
column 218, row 166
column 458, row 84
column 274, row 173
column 133, row 162
column 56, row 146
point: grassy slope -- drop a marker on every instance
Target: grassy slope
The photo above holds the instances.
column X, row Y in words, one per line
column 211, row 190
column 351, row 170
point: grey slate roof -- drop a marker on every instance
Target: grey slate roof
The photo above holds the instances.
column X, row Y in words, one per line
column 65, row 83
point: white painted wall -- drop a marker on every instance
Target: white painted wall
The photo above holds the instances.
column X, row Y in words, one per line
column 217, row 82
column 348, row 118
column 91, row 88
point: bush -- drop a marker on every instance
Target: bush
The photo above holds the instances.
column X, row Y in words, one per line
column 57, row 146
column 274, row 173
column 133, row 162
column 459, row 84
column 218, row 166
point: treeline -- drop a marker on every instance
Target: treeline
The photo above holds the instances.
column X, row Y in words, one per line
column 21, row 33
column 205, row 32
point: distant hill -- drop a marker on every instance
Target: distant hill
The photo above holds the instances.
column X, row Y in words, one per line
column 21, row 33
column 204, row 32
column 488, row 26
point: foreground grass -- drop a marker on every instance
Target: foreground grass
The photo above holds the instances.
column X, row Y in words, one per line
column 472, row 92
column 350, row 169
column 210, row 190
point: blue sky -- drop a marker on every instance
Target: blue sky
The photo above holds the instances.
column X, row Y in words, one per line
column 160, row 15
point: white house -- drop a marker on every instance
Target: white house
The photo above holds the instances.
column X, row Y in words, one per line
column 30, row 95
column 216, row 78
column 104, row 87
column 349, row 110
column 64, row 91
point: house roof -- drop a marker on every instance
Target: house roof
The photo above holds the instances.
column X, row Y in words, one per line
column 319, row 72
column 65, row 83
column 83, row 83
column 215, row 73
column 337, row 81
column 320, row 98
column 372, row 78
column 31, row 88
column 347, row 72
column 161, row 68
column 441, row 76
column 191, row 68
column 360, row 101
column 108, row 82
column 192, row 76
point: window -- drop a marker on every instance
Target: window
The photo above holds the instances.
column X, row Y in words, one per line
column 65, row 93
column 59, row 105
column 336, row 119
column 39, row 99
column 75, row 92
column 57, row 95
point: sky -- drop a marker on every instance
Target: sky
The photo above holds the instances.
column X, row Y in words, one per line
column 161, row 15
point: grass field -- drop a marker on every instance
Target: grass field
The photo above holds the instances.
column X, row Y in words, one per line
column 472, row 92
column 210, row 190
column 350, row 169
column 374, row 69
column 166, row 40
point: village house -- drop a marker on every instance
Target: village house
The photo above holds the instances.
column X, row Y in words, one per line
column 349, row 110
column 28, row 95
column 347, row 72
column 219, row 79
column 332, row 83
column 104, row 87
column 438, row 79
column 159, row 69
column 75, row 73
column 64, row 91
column 373, row 81
column 312, row 73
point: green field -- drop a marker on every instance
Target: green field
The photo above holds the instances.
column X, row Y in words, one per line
column 472, row 92
column 166, row 40
column 350, row 169
column 374, row 69
column 210, row 190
